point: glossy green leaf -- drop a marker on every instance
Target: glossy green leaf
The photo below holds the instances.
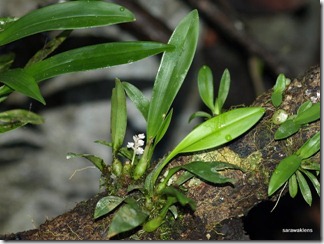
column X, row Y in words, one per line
column 185, row 176
column 212, row 133
column 128, row 217
column 94, row 57
column 219, row 130
column 16, row 118
column 208, row 171
column 306, row 105
column 164, row 127
column 304, row 188
column 310, row 147
column 286, row 129
column 6, row 21
column 66, row 16
column 21, row 81
column 293, row 186
column 314, row 181
column 206, row 86
column 309, row 115
column 95, row 160
column 118, row 116
column 201, row 114
column 172, row 71
column 223, row 91
column 5, row 61
column 284, row 170
column 182, row 198
column 106, row 204
column 137, row 97
column 278, row 89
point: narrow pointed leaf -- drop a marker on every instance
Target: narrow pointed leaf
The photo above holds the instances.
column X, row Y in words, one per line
column 286, row 129
column 304, row 188
column 164, row 127
column 128, row 217
column 95, row 160
column 200, row 114
column 311, row 165
column 309, row 115
column 306, row 105
column 66, row 16
column 285, row 169
column 223, row 91
column 16, row 118
column 278, row 89
column 314, row 181
column 182, row 199
column 293, row 186
column 118, row 119
column 172, row 71
column 94, row 57
column 219, row 130
column 310, row 147
column 106, row 204
column 137, row 97
column 5, row 61
column 208, row 171
column 21, row 81
column 206, row 86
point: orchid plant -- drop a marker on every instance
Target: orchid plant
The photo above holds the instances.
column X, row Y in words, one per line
column 135, row 186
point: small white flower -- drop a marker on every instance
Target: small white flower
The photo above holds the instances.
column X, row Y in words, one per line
column 137, row 144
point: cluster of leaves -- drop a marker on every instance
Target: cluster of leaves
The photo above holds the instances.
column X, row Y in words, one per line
column 145, row 200
column 65, row 17
column 135, row 193
column 291, row 169
column 206, row 92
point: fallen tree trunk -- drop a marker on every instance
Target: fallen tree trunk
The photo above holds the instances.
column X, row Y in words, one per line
column 219, row 208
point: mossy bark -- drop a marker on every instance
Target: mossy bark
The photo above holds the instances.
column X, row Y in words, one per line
column 219, row 208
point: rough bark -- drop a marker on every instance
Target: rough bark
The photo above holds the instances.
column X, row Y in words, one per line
column 219, row 208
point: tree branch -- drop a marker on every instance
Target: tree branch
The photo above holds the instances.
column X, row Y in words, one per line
column 219, row 208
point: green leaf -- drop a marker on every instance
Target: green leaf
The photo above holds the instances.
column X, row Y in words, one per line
column 164, row 127
column 137, row 97
column 284, row 170
column 5, row 61
column 212, row 133
column 208, row 171
column 293, row 186
column 200, row 114
column 128, row 217
column 310, row 147
column 278, row 89
column 21, row 81
column 182, row 199
column 286, row 129
column 219, row 130
column 314, row 181
column 223, row 91
column 106, row 204
column 97, row 161
column 172, row 71
column 206, row 86
column 308, row 165
column 306, row 105
column 311, row 114
column 183, row 178
column 304, row 188
column 94, row 57
column 16, row 118
column 118, row 117
column 66, row 16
